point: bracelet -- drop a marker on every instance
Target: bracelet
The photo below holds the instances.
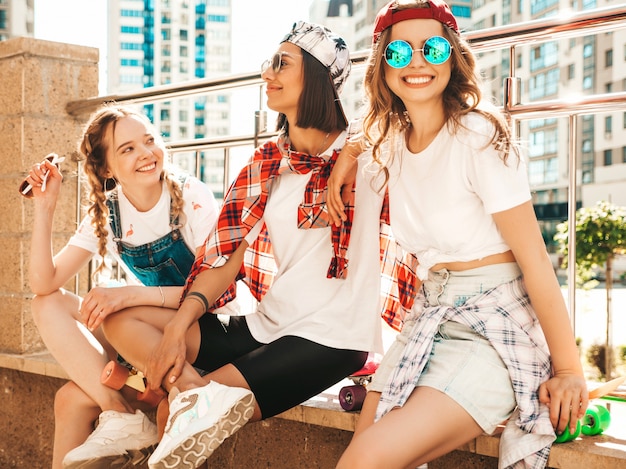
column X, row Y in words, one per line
column 194, row 295
column 162, row 296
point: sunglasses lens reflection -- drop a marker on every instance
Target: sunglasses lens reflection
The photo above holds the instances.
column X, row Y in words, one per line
column 437, row 50
column 275, row 62
column 398, row 54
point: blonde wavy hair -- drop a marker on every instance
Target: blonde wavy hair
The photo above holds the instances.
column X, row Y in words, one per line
column 93, row 148
column 384, row 117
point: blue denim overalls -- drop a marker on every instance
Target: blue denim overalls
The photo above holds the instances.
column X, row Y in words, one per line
column 165, row 261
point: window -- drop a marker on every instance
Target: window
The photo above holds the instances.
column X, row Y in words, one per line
column 130, row 62
column 608, row 157
column 218, row 18
column 543, row 142
column 550, row 53
column 608, row 58
column 587, row 50
column 608, row 87
column 131, row 29
column 571, row 71
column 130, row 46
column 589, row 4
column 623, row 154
column 544, row 84
column 542, row 171
column 461, row 11
column 608, row 124
column 132, row 13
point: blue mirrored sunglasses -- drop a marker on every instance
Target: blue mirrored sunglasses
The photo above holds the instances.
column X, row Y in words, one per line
column 436, row 51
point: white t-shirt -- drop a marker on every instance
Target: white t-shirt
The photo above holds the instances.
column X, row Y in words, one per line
column 442, row 199
column 200, row 214
column 302, row 301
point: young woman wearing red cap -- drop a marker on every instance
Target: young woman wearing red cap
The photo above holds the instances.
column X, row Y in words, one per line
column 486, row 337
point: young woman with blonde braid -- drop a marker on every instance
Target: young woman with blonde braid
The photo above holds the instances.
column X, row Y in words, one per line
column 152, row 220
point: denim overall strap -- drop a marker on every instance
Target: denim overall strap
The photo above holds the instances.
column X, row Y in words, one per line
column 165, row 261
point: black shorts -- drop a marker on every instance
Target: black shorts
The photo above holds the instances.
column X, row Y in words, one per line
column 281, row 374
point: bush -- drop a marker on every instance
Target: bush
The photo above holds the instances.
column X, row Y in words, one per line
column 595, row 357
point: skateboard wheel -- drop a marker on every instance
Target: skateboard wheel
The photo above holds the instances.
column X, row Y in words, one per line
column 352, row 397
column 567, row 436
column 150, row 397
column 114, row 375
column 596, row 420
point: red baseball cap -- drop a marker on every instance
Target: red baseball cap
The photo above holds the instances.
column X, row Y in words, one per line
column 390, row 15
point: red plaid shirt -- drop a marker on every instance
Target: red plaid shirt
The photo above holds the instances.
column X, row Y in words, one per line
column 398, row 279
column 243, row 207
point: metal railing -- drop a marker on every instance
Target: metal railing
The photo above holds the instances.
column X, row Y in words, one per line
column 504, row 37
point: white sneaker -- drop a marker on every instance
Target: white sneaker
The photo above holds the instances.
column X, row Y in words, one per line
column 200, row 420
column 118, row 438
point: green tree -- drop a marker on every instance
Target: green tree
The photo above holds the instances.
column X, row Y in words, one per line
column 600, row 236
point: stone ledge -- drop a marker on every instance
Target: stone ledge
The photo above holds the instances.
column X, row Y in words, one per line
column 323, row 410
column 606, row 451
column 37, row 363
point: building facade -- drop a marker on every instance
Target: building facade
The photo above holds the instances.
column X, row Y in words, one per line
column 16, row 19
column 577, row 66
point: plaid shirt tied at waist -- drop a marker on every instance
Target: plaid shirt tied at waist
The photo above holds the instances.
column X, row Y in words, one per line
column 505, row 317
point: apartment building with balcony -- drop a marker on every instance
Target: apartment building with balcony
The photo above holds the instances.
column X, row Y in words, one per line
column 16, row 18
column 570, row 67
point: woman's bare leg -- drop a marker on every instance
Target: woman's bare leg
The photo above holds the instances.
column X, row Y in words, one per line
column 82, row 355
column 368, row 412
column 74, row 416
column 429, row 425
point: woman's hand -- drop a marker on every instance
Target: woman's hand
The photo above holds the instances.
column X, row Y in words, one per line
column 567, row 397
column 340, row 181
column 168, row 358
column 99, row 303
column 45, row 178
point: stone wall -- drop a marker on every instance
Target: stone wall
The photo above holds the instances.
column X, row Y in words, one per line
column 38, row 79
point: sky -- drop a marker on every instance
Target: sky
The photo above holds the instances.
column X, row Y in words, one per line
column 258, row 26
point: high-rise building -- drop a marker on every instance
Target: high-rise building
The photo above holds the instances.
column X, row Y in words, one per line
column 159, row 42
column 16, row 18
column 550, row 70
